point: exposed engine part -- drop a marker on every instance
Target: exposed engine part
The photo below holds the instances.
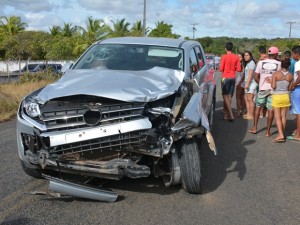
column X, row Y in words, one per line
column 166, row 144
column 174, row 176
column 117, row 168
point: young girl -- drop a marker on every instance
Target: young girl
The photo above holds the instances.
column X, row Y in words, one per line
column 239, row 93
column 281, row 84
column 250, row 84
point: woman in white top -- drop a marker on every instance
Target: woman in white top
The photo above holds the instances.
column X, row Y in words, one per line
column 250, row 84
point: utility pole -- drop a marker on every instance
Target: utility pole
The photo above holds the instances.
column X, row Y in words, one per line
column 290, row 22
column 144, row 20
column 194, row 29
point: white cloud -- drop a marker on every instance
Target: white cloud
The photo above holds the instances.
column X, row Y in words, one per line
column 29, row 5
column 234, row 18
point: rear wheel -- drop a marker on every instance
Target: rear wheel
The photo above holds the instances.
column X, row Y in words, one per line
column 189, row 160
column 36, row 173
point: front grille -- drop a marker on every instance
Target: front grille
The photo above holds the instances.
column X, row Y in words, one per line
column 116, row 142
column 64, row 115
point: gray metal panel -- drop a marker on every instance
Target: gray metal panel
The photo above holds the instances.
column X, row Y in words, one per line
column 81, row 191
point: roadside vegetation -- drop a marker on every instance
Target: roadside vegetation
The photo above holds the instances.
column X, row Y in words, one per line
column 11, row 94
column 70, row 41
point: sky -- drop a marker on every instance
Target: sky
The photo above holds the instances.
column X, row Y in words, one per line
column 215, row 18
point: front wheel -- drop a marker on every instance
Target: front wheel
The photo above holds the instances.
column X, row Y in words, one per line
column 189, row 160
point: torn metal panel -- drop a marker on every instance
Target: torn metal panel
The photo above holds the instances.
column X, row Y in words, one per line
column 81, row 191
column 138, row 86
column 160, row 111
column 193, row 114
column 211, row 142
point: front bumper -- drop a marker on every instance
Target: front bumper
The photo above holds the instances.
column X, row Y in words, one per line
column 48, row 150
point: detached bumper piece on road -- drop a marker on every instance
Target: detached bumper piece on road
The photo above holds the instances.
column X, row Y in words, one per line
column 77, row 190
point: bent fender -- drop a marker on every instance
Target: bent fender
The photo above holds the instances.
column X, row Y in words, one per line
column 194, row 116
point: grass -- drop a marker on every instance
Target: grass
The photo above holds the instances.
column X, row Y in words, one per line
column 11, row 94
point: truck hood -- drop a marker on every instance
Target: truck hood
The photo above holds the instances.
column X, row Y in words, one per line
column 129, row 86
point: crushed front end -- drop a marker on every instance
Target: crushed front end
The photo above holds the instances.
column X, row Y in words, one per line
column 102, row 137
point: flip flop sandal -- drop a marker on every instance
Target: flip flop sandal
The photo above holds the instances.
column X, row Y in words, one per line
column 292, row 138
column 280, row 140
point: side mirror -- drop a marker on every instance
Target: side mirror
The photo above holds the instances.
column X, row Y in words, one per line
column 66, row 66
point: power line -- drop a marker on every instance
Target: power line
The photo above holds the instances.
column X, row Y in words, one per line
column 194, row 29
column 290, row 22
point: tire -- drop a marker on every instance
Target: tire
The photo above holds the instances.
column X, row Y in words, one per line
column 189, row 161
column 36, row 173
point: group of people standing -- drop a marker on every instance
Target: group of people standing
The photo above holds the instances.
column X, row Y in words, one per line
column 267, row 87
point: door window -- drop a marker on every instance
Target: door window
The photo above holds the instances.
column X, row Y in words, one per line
column 194, row 65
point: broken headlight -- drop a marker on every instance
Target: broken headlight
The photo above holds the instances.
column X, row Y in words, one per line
column 31, row 108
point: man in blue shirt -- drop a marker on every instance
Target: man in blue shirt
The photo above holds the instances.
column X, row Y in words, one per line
column 288, row 55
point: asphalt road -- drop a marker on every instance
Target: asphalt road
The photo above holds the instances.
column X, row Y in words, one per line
column 251, row 181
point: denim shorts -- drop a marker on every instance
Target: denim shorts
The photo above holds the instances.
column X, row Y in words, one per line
column 295, row 100
column 228, row 86
column 252, row 88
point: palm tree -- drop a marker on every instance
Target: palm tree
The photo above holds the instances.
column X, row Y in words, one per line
column 120, row 29
column 55, row 30
column 163, row 30
column 68, row 30
column 95, row 30
column 137, row 29
column 12, row 25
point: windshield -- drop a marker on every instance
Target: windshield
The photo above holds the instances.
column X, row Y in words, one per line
column 130, row 57
column 30, row 67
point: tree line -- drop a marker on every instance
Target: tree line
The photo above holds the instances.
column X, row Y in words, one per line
column 70, row 41
column 217, row 45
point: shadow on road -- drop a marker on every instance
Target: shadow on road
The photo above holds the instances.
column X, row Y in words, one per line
column 231, row 148
column 23, row 221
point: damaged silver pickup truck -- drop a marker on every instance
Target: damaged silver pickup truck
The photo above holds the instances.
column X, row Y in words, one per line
column 127, row 107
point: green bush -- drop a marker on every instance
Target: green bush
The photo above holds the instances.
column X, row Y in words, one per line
column 46, row 75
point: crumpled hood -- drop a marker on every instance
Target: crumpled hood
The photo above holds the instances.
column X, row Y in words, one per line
column 130, row 86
